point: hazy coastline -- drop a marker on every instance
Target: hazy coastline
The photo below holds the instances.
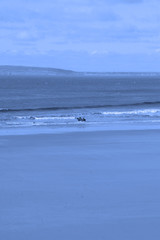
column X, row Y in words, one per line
column 11, row 70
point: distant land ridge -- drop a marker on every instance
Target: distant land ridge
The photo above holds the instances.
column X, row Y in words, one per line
column 8, row 70
column 19, row 70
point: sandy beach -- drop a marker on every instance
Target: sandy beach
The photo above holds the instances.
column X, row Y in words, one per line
column 86, row 185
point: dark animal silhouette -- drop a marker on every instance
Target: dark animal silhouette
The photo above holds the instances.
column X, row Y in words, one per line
column 81, row 119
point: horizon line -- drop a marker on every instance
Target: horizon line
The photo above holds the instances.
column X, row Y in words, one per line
column 73, row 71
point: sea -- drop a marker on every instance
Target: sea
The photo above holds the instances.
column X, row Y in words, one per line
column 51, row 103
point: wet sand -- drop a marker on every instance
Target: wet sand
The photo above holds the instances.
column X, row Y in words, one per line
column 86, row 185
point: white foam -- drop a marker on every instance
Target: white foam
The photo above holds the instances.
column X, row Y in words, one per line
column 135, row 112
column 45, row 118
column 53, row 118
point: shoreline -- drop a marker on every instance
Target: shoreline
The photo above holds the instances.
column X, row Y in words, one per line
column 80, row 129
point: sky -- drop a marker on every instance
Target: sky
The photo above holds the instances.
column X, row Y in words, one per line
column 81, row 35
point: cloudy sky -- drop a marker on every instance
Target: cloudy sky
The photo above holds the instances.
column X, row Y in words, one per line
column 82, row 35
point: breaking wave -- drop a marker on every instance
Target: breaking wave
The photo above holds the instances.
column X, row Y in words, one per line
column 145, row 112
column 45, row 118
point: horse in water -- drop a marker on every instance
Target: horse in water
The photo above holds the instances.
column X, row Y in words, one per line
column 81, row 119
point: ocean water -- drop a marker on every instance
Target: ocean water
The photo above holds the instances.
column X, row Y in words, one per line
column 111, row 101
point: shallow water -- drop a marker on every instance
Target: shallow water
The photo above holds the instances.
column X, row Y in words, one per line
column 97, row 185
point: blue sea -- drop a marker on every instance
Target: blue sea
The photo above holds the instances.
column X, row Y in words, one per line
column 51, row 102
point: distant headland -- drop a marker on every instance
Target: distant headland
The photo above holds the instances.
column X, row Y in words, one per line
column 27, row 70
column 8, row 70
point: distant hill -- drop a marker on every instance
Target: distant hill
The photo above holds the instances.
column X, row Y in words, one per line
column 20, row 70
column 7, row 70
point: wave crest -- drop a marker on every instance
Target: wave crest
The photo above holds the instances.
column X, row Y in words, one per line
column 78, row 107
column 148, row 112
